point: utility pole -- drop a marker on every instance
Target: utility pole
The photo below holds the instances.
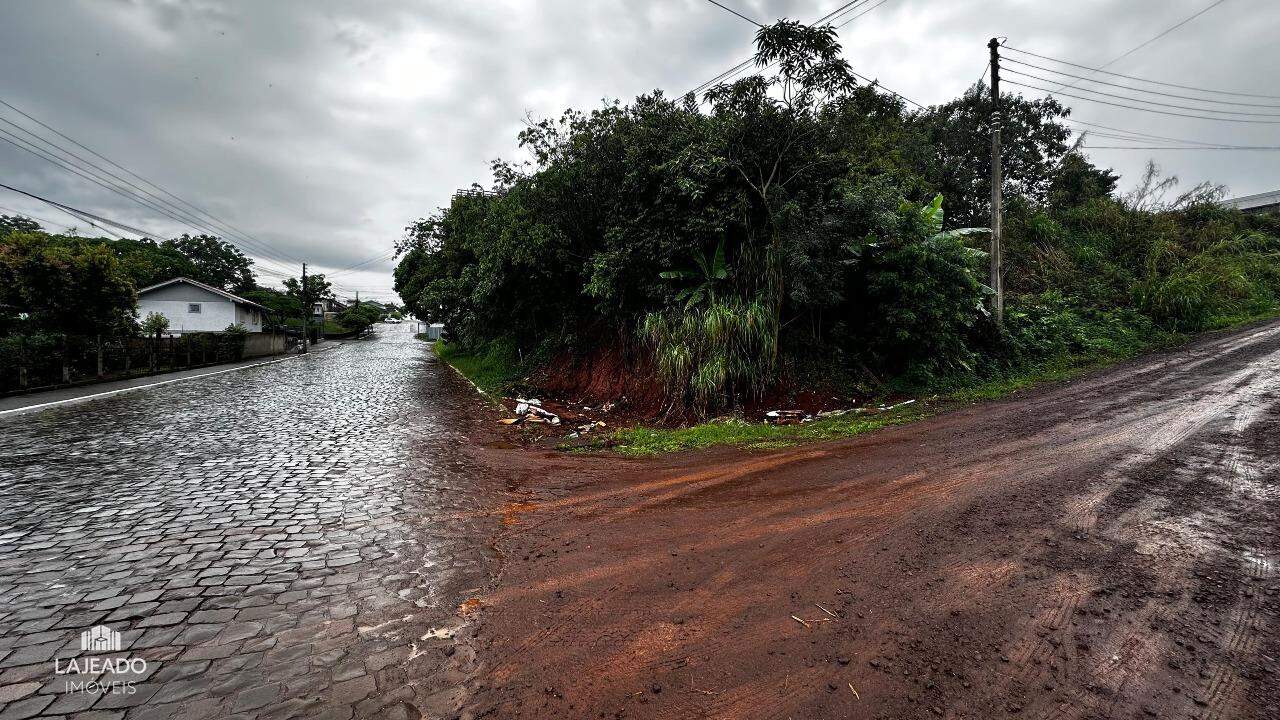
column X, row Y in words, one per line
column 306, row 310
column 997, row 211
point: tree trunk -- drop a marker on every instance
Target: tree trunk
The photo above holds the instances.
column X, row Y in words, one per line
column 100, row 372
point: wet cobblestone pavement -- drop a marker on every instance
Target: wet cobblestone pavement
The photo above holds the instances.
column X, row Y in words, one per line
column 276, row 542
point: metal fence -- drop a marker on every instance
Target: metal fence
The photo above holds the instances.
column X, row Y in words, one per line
column 28, row 364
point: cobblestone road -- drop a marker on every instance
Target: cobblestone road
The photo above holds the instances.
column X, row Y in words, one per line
column 276, row 542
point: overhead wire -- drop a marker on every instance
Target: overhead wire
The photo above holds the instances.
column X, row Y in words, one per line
column 227, row 229
column 728, row 9
column 1135, row 89
column 1139, row 133
column 1160, row 35
column 1144, row 109
column 1141, row 79
column 1146, row 101
column 98, row 180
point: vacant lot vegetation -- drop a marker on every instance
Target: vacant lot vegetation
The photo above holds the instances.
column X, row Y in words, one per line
column 797, row 229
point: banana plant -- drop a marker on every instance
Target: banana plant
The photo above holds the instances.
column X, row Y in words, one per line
column 933, row 214
column 709, row 270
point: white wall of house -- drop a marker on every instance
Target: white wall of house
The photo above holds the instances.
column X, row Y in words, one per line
column 193, row 309
column 250, row 317
column 213, row 315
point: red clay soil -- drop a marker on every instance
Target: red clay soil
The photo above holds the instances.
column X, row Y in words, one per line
column 1106, row 548
column 627, row 383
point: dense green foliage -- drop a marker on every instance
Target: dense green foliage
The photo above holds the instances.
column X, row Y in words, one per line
column 359, row 316
column 787, row 228
column 51, row 284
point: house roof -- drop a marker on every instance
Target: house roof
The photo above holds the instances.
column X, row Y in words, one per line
column 1252, row 201
column 202, row 286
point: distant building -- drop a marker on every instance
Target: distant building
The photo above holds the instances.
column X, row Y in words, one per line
column 1267, row 202
column 328, row 308
column 432, row 331
column 192, row 306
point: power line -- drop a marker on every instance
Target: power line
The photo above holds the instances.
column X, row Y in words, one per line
column 1141, row 90
column 1178, row 147
column 226, row 225
column 385, row 256
column 46, row 221
column 71, row 158
column 728, row 9
column 86, row 216
column 1145, row 135
column 1138, row 47
column 78, row 218
column 864, row 12
column 78, row 212
column 1143, row 109
column 1141, row 79
column 19, row 143
column 842, row 10
column 93, row 177
column 1149, row 102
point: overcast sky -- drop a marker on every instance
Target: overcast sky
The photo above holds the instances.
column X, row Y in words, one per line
column 322, row 128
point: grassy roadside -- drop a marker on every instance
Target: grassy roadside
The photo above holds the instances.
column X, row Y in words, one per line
column 494, row 371
column 643, row 441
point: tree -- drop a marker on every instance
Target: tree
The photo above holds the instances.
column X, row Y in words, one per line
column 280, row 304
column 317, row 289
column 154, row 325
column 1033, row 142
column 359, row 317
column 215, row 262
column 148, row 262
column 67, row 285
column 63, row 286
column 1078, row 181
column 18, row 223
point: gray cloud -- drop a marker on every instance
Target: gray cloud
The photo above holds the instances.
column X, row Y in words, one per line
column 323, row 127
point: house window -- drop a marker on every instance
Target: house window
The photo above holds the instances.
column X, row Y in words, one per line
column 193, row 308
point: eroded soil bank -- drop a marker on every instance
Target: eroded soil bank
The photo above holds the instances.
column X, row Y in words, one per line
column 1106, row 548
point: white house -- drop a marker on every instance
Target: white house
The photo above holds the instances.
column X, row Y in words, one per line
column 195, row 307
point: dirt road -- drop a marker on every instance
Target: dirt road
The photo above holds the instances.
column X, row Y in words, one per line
column 1106, row 548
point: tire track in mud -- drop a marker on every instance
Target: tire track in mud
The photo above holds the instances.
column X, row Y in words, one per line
column 1089, row 536
column 1242, row 637
column 1154, row 435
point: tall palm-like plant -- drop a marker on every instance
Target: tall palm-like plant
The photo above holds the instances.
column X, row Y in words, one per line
column 709, row 271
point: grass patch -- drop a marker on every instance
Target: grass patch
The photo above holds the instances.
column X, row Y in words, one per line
column 492, row 370
column 755, row 436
